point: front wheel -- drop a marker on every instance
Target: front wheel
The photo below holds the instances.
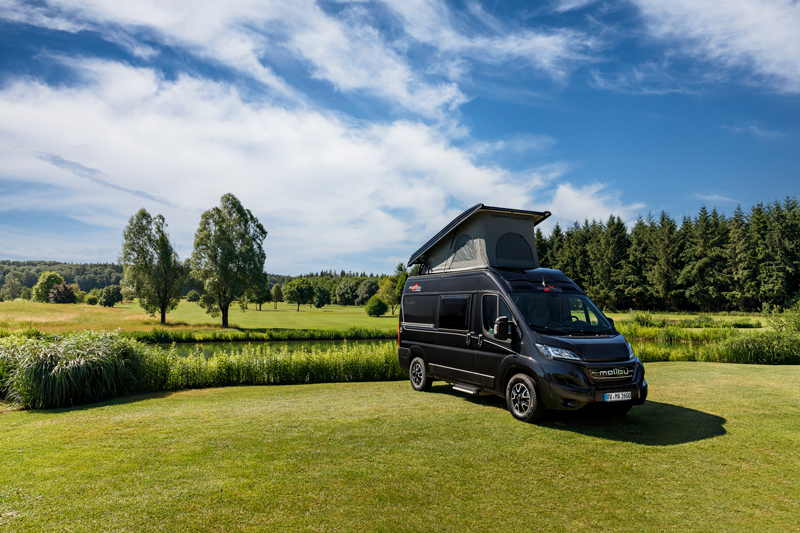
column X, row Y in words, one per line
column 420, row 380
column 523, row 398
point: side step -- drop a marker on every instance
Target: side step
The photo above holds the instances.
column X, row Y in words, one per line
column 467, row 389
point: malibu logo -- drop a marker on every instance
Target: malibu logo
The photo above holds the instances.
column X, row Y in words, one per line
column 416, row 288
column 615, row 372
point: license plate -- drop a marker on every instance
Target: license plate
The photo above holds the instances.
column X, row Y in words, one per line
column 616, row 396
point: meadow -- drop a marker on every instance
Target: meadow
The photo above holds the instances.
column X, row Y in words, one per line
column 51, row 318
column 714, row 448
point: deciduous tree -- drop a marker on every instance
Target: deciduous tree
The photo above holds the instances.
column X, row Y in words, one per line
column 153, row 271
column 298, row 291
column 228, row 254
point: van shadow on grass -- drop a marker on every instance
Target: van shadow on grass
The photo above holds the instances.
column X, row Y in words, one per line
column 651, row 424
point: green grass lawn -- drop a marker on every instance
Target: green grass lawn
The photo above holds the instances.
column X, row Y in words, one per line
column 713, row 449
column 56, row 318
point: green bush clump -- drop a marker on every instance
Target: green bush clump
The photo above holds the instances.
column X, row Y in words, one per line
column 376, row 306
column 192, row 296
column 786, row 320
column 761, row 348
column 42, row 372
column 91, row 299
column 646, row 319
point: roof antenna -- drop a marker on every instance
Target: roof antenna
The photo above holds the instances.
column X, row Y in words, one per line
column 543, row 283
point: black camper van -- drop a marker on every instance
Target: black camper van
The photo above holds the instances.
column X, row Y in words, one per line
column 484, row 317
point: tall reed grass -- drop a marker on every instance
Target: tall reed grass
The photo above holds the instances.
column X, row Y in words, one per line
column 633, row 331
column 58, row 371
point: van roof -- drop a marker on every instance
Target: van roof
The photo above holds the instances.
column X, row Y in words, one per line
column 419, row 256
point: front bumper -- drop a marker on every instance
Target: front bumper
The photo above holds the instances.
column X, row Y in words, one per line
column 570, row 387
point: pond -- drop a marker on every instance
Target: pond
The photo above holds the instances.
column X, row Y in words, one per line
column 209, row 348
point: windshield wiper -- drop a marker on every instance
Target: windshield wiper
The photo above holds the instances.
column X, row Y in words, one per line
column 546, row 329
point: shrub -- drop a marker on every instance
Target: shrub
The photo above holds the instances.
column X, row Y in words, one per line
column 91, row 299
column 192, row 296
column 25, row 294
column 110, row 296
column 62, row 294
column 47, row 280
column 376, row 307
column 645, row 319
column 49, row 372
column 787, row 320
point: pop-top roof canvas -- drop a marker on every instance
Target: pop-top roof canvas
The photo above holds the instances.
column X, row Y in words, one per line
column 483, row 237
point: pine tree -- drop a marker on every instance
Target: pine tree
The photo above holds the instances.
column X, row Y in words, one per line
column 637, row 265
column 553, row 246
column 609, row 279
column 663, row 276
column 738, row 256
column 541, row 247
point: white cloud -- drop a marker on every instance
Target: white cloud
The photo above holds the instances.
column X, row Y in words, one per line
column 324, row 187
column 485, row 39
column 759, row 36
column 593, row 202
column 762, row 132
column 715, row 198
column 348, row 52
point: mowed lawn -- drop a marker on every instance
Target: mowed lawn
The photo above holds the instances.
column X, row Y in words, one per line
column 56, row 318
column 714, row 449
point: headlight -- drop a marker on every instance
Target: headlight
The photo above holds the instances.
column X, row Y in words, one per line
column 630, row 351
column 551, row 352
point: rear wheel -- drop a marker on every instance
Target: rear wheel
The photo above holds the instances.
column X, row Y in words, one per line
column 523, row 398
column 420, row 380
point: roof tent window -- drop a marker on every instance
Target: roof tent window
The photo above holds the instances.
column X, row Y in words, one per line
column 464, row 250
column 513, row 252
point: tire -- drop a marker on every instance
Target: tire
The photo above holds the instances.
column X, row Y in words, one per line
column 523, row 399
column 420, row 380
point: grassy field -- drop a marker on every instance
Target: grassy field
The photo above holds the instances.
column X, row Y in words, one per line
column 51, row 318
column 713, row 449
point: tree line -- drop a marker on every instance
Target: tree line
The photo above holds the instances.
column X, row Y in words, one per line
column 18, row 278
column 749, row 261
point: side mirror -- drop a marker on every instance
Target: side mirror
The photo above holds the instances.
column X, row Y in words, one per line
column 611, row 320
column 502, row 328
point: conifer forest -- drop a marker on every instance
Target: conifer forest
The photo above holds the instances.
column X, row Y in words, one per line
column 749, row 261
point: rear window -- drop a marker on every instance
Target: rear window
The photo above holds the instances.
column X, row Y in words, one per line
column 419, row 309
column 454, row 312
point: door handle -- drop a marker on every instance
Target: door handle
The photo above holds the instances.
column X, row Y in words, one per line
column 469, row 338
column 480, row 340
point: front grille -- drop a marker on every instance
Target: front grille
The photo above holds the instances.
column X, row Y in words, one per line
column 615, row 374
column 608, row 387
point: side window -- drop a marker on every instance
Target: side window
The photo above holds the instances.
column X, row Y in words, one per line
column 454, row 312
column 419, row 309
column 491, row 311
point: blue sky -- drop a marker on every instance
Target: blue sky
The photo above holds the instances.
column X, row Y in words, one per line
column 355, row 130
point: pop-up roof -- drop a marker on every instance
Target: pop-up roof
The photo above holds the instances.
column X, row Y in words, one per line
column 481, row 237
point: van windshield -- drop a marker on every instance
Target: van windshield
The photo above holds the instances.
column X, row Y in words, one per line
column 561, row 313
